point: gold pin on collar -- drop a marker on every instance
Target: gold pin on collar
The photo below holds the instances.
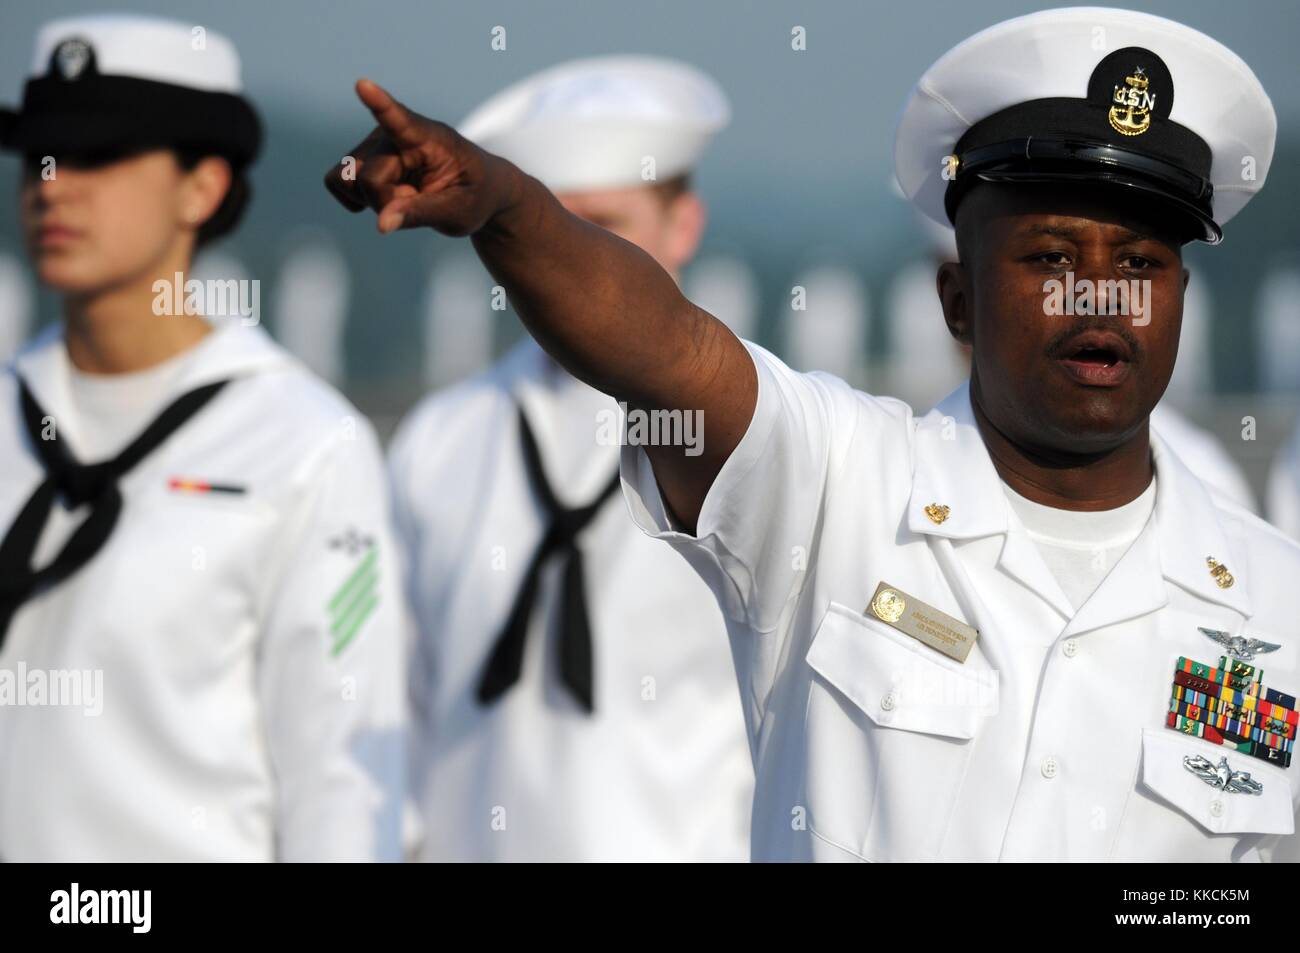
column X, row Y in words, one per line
column 1219, row 572
column 937, row 512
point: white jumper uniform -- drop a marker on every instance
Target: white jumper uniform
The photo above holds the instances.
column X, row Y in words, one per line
column 243, row 618
column 660, row 770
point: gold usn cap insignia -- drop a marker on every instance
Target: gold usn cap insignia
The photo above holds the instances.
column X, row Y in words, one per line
column 937, row 512
column 1131, row 113
column 1219, row 572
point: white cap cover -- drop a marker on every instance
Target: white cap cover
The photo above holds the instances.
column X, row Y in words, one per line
column 595, row 123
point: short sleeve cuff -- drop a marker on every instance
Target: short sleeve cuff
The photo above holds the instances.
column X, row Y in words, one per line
column 641, row 489
column 725, row 573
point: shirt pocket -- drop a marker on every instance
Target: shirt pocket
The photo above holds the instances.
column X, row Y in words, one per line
column 888, row 735
column 1216, row 811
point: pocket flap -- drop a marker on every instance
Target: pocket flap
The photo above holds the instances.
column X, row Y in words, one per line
column 1218, row 811
column 897, row 681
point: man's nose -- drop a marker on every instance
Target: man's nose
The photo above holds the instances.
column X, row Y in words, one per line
column 1096, row 267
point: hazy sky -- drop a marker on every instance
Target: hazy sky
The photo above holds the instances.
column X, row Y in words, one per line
column 801, row 176
column 826, row 114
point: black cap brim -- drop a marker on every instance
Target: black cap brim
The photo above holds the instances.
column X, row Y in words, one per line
column 119, row 114
column 1187, row 220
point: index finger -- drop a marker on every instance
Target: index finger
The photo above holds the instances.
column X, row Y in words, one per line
column 396, row 119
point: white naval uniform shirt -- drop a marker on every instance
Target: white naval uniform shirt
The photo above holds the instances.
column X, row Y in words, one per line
column 1203, row 454
column 251, row 706
column 1284, row 487
column 661, row 771
column 1049, row 742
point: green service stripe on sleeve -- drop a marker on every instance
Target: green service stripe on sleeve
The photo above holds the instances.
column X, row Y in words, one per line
column 357, row 594
column 344, row 590
column 343, row 638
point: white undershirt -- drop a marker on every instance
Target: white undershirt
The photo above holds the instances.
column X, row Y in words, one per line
column 1080, row 548
column 112, row 409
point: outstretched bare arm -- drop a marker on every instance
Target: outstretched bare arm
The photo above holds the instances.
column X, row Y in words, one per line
column 602, row 307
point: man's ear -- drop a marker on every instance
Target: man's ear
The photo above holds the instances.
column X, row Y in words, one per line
column 687, row 217
column 955, row 297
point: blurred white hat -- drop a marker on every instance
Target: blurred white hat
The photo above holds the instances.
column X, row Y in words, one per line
column 142, row 47
column 594, row 123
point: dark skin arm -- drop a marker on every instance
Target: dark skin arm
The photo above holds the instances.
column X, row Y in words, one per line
column 599, row 305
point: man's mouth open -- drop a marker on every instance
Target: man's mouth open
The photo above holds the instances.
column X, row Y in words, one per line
column 1096, row 358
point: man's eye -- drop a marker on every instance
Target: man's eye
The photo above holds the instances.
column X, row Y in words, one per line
column 1053, row 258
column 1136, row 262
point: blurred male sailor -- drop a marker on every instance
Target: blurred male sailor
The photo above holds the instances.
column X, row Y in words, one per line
column 575, row 696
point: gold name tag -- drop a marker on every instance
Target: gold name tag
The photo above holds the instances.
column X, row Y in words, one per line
column 924, row 623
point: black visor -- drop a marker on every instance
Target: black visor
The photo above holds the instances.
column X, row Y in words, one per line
column 92, row 113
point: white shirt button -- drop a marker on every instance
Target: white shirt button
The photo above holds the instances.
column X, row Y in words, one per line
column 889, row 701
column 1216, row 808
column 1049, row 767
column 1070, row 648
